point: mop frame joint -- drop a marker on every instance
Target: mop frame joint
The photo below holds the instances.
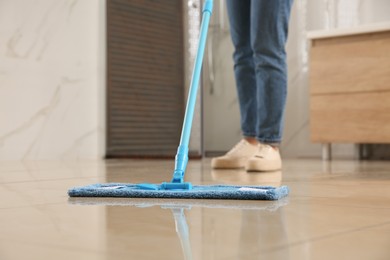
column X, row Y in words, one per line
column 208, row 6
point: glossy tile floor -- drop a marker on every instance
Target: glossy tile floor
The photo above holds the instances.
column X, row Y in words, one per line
column 337, row 210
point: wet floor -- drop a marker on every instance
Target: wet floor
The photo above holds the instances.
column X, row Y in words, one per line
column 337, row 210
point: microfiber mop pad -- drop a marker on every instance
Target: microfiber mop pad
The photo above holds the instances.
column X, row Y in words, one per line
column 197, row 192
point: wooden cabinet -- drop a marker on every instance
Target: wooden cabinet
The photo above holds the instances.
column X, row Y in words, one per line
column 350, row 85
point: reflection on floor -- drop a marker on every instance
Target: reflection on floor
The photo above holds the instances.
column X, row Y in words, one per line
column 337, row 210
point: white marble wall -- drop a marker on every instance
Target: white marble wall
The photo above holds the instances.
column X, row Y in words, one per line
column 51, row 79
column 221, row 115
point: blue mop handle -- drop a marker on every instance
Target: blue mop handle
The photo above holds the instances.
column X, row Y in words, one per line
column 182, row 151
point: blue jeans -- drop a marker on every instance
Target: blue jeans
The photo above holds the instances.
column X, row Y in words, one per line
column 259, row 31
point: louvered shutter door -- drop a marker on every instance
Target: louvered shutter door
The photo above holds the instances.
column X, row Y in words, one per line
column 145, row 74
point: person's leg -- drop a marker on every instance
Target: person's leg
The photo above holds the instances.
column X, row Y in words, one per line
column 269, row 29
column 239, row 13
column 239, row 17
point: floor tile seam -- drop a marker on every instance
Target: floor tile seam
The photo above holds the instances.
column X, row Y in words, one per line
column 32, row 205
column 300, row 197
column 316, row 184
column 329, row 236
column 67, row 248
column 309, row 179
column 342, row 205
column 330, row 182
column 291, row 195
column 94, row 169
column 66, row 166
column 73, row 169
column 49, row 180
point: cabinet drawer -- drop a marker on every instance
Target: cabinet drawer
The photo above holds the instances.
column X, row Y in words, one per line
column 350, row 117
column 357, row 63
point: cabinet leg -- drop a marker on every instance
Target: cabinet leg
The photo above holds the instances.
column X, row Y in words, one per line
column 327, row 152
column 364, row 151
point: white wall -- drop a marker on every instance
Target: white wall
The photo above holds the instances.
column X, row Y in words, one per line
column 51, row 79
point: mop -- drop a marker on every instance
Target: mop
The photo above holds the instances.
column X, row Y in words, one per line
column 177, row 188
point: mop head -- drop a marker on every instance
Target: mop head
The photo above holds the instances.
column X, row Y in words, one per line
column 229, row 192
